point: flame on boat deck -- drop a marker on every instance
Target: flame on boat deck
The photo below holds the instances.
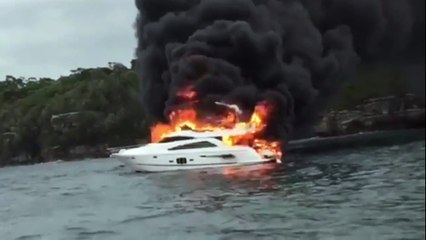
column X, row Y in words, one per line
column 188, row 118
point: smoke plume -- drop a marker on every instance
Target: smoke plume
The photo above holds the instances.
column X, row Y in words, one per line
column 293, row 53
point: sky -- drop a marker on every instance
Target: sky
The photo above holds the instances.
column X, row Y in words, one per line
column 48, row 38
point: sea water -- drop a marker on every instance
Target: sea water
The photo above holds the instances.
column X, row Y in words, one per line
column 371, row 193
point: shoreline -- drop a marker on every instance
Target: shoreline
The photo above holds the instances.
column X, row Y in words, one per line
column 359, row 140
column 312, row 145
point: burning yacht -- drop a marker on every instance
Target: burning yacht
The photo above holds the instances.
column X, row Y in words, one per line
column 225, row 142
column 189, row 150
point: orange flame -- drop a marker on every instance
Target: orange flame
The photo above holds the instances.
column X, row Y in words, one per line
column 188, row 118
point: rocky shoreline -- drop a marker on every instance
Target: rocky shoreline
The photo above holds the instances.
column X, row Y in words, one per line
column 377, row 114
column 366, row 139
column 56, row 154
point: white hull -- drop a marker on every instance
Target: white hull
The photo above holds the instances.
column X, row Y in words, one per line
column 190, row 154
column 192, row 160
column 139, row 166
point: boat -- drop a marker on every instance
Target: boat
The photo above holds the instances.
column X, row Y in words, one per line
column 191, row 150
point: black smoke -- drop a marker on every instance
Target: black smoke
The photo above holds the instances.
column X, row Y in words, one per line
column 293, row 53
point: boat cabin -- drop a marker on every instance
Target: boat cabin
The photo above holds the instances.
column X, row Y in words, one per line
column 190, row 135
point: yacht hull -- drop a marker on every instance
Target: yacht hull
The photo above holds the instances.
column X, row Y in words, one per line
column 192, row 160
column 139, row 166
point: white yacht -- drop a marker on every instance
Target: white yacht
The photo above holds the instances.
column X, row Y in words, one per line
column 189, row 150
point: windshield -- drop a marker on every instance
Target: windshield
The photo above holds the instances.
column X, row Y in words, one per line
column 173, row 139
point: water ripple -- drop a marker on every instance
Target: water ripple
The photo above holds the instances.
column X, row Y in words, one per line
column 100, row 233
column 30, row 237
column 143, row 218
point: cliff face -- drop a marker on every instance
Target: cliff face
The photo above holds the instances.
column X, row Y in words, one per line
column 387, row 113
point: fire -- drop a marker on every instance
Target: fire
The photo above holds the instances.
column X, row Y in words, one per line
column 187, row 93
column 188, row 118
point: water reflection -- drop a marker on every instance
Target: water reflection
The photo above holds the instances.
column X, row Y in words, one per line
column 294, row 175
column 309, row 168
column 235, row 187
column 254, row 179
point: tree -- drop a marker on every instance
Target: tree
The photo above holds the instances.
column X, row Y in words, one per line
column 96, row 106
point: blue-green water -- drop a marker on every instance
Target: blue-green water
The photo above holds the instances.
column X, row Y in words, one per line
column 358, row 194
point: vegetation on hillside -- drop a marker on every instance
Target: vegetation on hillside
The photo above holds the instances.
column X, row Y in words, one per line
column 100, row 106
column 88, row 107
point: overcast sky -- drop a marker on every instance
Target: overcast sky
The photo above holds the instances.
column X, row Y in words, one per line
column 48, row 38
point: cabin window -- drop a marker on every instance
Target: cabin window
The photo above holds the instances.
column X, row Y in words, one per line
column 181, row 161
column 203, row 144
column 173, row 139
column 224, row 156
column 228, row 156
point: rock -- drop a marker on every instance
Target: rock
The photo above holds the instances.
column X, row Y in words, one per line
column 384, row 113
